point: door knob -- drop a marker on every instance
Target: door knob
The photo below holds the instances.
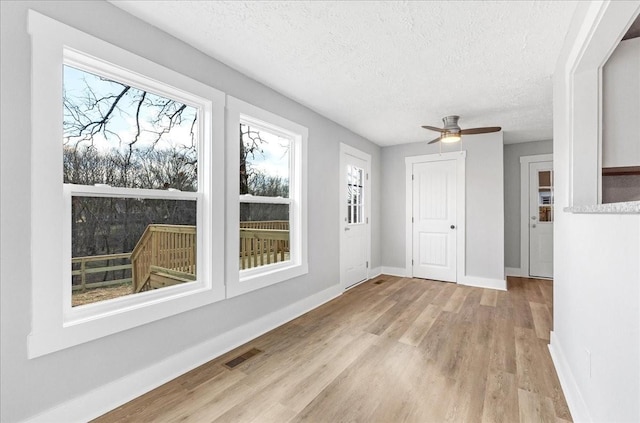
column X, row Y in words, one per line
column 533, row 226
column 453, row 226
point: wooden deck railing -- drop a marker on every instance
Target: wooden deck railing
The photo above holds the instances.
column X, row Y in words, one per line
column 86, row 269
column 170, row 249
column 266, row 224
column 263, row 242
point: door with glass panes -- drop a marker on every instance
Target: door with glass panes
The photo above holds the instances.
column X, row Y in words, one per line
column 355, row 221
column 541, row 218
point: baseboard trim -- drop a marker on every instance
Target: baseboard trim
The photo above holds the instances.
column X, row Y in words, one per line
column 516, row 271
column 112, row 395
column 375, row 272
column 499, row 284
column 577, row 406
column 394, row 271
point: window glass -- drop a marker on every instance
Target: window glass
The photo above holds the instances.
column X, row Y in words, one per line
column 264, row 162
column 265, row 203
column 122, row 246
column 355, row 191
column 545, row 196
column 120, row 136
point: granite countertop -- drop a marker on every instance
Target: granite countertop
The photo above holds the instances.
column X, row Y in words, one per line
column 629, row 207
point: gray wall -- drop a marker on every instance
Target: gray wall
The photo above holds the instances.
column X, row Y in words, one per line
column 512, row 154
column 484, row 198
column 31, row 386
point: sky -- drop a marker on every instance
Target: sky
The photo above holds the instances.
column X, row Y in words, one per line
column 273, row 159
column 122, row 123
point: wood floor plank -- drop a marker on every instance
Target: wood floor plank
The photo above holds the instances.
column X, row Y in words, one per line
column 209, row 401
column 541, row 320
column 456, row 300
column 276, row 413
column 489, row 297
column 403, row 350
column 308, row 388
column 535, row 408
column 531, row 357
column 344, row 401
column 416, row 332
column 503, row 346
column 501, row 398
column 407, row 317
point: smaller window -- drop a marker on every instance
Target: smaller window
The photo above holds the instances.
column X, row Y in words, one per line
column 265, row 204
column 271, row 202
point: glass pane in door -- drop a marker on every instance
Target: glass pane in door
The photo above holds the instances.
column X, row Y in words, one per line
column 355, row 189
column 545, row 196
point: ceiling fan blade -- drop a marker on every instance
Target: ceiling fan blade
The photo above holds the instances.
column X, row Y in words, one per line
column 433, row 128
column 436, row 140
column 472, row 131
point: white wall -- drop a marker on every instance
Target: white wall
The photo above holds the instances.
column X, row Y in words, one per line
column 512, row 154
column 596, row 337
column 484, row 199
column 31, row 386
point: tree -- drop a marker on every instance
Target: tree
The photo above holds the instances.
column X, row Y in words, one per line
column 122, row 136
column 119, row 135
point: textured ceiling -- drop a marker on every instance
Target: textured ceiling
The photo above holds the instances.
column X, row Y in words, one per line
column 384, row 68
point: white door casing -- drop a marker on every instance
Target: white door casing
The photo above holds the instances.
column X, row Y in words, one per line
column 435, row 216
column 525, row 212
column 354, row 216
column 541, row 219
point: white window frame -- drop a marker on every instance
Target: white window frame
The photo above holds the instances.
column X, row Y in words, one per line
column 242, row 281
column 55, row 323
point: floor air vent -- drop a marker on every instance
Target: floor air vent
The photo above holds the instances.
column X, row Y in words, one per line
column 379, row 281
column 233, row 363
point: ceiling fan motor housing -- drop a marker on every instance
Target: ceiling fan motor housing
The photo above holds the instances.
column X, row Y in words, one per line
column 451, row 124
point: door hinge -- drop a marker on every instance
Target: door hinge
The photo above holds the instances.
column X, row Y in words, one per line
column 413, row 177
column 367, row 220
column 412, row 220
column 367, row 265
column 412, row 262
column 367, row 176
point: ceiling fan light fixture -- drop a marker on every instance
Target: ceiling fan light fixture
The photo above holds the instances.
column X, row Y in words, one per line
column 450, row 137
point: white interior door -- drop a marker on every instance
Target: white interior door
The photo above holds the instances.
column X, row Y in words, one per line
column 355, row 220
column 541, row 212
column 434, row 220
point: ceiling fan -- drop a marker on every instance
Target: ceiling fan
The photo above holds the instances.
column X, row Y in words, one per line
column 452, row 132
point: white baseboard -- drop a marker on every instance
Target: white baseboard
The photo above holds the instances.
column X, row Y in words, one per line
column 375, row 272
column 394, row 271
column 577, row 406
column 105, row 398
column 516, row 271
column 480, row 282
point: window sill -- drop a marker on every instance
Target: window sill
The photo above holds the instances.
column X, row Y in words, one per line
column 629, row 207
column 248, row 283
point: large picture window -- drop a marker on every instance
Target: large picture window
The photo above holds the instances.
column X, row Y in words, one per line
column 118, row 139
column 271, row 210
column 127, row 156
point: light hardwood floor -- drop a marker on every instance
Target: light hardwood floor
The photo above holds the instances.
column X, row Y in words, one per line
column 390, row 350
